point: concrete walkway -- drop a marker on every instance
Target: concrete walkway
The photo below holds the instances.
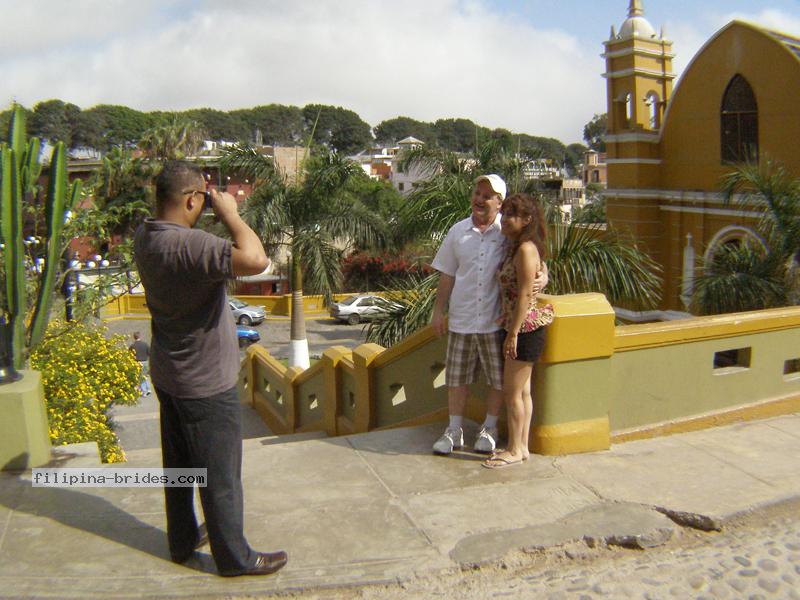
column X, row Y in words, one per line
column 380, row 507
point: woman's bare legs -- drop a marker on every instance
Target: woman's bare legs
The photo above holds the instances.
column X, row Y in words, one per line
column 527, row 402
column 516, row 376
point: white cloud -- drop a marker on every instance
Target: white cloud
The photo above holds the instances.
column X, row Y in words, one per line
column 32, row 26
column 771, row 19
column 426, row 59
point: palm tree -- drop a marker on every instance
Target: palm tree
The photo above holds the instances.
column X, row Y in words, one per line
column 122, row 189
column 581, row 257
column 443, row 197
column 174, row 140
column 590, row 258
column 313, row 215
column 775, row 195
column 740, row 277
column 746, row 276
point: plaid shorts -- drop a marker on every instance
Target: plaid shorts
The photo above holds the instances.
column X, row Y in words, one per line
column 466, row 350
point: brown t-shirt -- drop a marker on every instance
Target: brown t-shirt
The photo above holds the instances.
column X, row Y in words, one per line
column 193, row 351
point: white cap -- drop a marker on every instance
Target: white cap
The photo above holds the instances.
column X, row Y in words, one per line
column 496, row 182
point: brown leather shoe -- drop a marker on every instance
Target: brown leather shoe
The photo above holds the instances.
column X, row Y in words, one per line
column 268, row 563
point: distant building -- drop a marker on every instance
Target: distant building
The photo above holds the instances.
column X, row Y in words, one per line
column 594, row 168
column 377, row 162
column 541, row 168
column 572, row 192
column 403, row 180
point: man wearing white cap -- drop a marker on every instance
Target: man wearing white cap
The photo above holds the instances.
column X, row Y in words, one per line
column 468, row 291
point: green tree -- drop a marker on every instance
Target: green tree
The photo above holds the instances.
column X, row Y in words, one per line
column 337, row 128
column 313, row 216
column 381, row 198
column 176, row 139
column 122, row 193
column 54, row 120
column 589, row 258
column 595, row 209
column 219, row 125
column 118, row 125
column 392, row 131
column 278, row 124
column 574, row 157
column 88, row 129
column 594, row 132
column 542, row 147
column 459, row 135
column 740, row 277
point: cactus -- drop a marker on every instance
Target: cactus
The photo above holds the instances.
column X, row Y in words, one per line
column 19, row 173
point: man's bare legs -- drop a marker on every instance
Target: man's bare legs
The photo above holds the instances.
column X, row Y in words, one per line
column 453, row 436
column 457, row 401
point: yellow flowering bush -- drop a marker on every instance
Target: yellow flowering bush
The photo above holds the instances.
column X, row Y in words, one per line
column 83, row 373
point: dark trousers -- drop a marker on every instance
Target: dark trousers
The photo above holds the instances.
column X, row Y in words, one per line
column 206, row 433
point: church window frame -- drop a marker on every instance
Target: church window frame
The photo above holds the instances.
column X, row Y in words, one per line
column 653, row 104
column 629, row 111
column 734, row 234
column 739, row 123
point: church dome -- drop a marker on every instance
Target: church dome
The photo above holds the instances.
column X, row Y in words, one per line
column 637, row 27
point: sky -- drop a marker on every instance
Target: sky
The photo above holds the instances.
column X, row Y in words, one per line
column 530, row 66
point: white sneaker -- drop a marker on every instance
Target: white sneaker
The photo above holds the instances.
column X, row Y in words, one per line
column 487, row 440
column 451, row 439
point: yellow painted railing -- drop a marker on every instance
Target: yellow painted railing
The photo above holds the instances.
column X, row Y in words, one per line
column 596, row 383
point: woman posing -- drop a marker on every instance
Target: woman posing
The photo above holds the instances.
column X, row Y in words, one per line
column 525, row 323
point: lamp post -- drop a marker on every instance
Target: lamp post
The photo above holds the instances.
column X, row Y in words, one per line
column 68, row 286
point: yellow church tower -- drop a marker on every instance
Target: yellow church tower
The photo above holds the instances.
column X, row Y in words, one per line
column 639, row 81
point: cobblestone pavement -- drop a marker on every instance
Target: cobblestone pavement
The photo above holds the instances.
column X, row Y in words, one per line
column 756, row 557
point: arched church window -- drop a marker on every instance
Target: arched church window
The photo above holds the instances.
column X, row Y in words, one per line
column 733, row 237
column 652, row 109
column 739, row 122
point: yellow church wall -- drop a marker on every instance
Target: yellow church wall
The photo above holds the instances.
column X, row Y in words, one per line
column 634, row 175
column 691, row 135
column 672, row 256
column 646, row 150
column 703, row 227
column 647, row 62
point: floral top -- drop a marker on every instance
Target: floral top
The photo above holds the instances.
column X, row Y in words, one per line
column 536, row 317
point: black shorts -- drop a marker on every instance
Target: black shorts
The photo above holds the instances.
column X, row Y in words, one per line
column 530, row 345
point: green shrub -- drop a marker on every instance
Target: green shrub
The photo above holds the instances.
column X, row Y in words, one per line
column 83, row 373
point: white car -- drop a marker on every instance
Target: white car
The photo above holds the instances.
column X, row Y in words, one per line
column 354, row 309
column 246, row 314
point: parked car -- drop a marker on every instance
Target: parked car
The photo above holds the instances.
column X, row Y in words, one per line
column 246, row 336
column 354, row 309
column 246, row 314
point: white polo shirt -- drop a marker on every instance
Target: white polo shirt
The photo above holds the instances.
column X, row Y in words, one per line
column 473, row 258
